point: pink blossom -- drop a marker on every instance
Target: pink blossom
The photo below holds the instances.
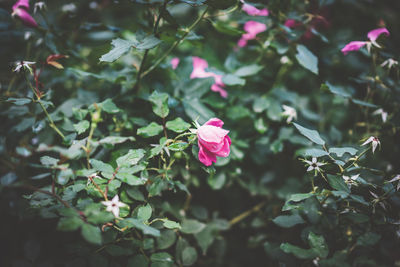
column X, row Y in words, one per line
column 252, row 28
column 374, row 34
column 20, row 9
column 213, row 141
column 353, row 46
column 199, row 66
column 291, row 23
column 174, row 62
column 253, row 11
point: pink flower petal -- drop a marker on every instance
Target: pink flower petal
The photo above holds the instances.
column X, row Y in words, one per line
column 25, row 17
column 353, row 46
column 374, row 34
column 174, row 62
column 217, row 88
column 211, row 134
column 253, row 11
column 205, row 156
column 252, row 28
column 215, row 122
column 21, row 3
column 225, row 150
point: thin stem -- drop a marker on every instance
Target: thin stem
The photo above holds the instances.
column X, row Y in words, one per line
column 357, row 158
column 161, row 59
column 247, row 213
column 52, row 124
column 146, row 52
column 30, row 187
column 333, row 159
column 98, row 188
column 164, row 128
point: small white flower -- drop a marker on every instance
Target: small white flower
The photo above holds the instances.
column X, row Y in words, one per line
column 390, row 63
column 39, row 6
column 375, row 142
column 350, row 179
column 27, row 35
column 314, row 164
column 290, row 113
column 23, row 64
column 69, row 8
column 114, row 205
column 382, row 113
column 284, row 60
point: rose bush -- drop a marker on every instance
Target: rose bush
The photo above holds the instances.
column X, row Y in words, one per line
column 199, row 133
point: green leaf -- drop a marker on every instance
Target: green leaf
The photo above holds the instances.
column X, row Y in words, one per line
column 307, row 59
column 160, row 104
column 315, row 152
column 223, row 27
column 131, row 158
column 363, row 103
column 91, row 233
column 260, row 104
column 171, row 224
column 338, row 183
column 108, row 106
column 179, row 146
column 288, row 221
column 138, row 261
column 248, row 70
column 300, row 253
column 335, row 90
column 190, row 226
column 166, row 240
column 368, row 239
column 312, row 135
column 178, row 125
column 113, row 140
column 101, row 166
column 231, row 79
column 189, row 256
column 130, row 179
column 48, row 161
column 19, row 101
column 120, row 47
column 81, row 126
column 161, row 256
column 300, row 197
column 318, row 244
column 148, row 43
column 144, row 212
column 195, row 109
column 339, row 151
column 138, row 224
column 150, row 130
column 69, row 223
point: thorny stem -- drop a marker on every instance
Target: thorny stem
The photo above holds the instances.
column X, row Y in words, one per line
column 247, row 213
column 160, row 59
column 30, row 187
column 146, row 52
column 164, row 128
column 98, row 188
column 52, row 124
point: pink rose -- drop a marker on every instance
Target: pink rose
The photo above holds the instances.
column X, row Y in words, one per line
column 199, row 66
column 374, row 34
column 174, row 62
column 353, row 46
column 213, row 141
column 252, row 28
column 253, row 11
column 20, row 9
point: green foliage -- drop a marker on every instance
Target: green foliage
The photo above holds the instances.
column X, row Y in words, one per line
column 100, row 161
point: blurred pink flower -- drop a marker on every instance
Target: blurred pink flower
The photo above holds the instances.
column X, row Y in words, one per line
column 374, row 34
column 20, row 9
column 213, row 141
column 253, row 11
column 252, row 28
column 199, row 66
column 353, row 46
column 175, row 62
column 291, row 23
